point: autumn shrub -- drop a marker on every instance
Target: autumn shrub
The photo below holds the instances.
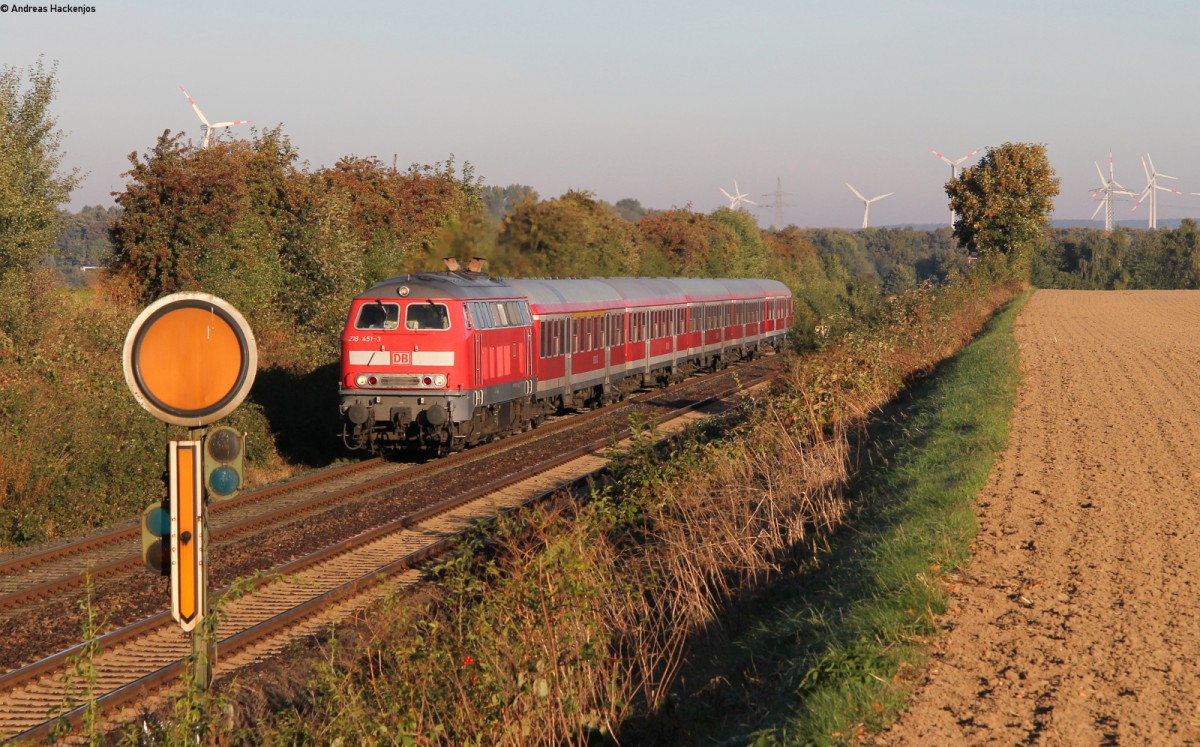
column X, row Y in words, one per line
column 79, row 451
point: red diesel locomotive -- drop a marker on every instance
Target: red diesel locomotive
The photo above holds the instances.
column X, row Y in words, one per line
column 445, row 360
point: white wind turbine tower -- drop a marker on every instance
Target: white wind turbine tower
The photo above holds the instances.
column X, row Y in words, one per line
column 738, row 198
column 1151, row 190
column 954, row 170
column 866, row 202
column 1108, row 188
column 205, row 127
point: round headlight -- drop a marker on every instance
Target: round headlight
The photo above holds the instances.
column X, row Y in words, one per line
column 361, row 380
column 439, row 380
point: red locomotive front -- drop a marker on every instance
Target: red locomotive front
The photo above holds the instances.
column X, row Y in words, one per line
column 425, row 356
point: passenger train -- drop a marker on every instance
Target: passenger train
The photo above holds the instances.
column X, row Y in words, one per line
column 445, row 360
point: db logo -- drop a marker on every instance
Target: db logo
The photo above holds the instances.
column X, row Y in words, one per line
column 401, row 359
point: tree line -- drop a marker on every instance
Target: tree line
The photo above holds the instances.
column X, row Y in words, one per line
column 289, row 246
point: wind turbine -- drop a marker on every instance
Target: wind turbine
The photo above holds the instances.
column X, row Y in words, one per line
column 738, row 198
column 1151, row 191
column 1108, row 188
column 866, row 202
column 954, row 170
column 205, row 127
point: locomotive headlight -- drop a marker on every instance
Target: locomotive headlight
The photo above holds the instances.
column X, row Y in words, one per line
column 439, row 380
column 361, row 380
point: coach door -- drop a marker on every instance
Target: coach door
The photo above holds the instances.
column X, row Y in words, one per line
column 529, row 370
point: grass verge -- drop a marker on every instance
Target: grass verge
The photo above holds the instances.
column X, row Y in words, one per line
column 840, row 648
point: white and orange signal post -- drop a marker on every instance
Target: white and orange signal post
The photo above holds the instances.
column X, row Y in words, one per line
column 189, row 590
column 190, row 360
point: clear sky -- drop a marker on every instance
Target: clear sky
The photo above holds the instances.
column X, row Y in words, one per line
column 664, row 102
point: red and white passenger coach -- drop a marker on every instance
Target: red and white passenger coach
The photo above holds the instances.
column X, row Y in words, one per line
column 445, row 360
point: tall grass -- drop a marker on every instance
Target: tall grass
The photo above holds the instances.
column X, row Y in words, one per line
column 853, row 635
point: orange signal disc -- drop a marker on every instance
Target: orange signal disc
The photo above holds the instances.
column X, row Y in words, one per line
column 190, row 359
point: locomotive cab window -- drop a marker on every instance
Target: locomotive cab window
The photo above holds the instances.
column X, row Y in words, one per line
column 426, row 316
column 378, row 315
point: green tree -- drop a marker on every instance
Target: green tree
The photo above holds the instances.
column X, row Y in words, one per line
column 630, row 209
column 31, row 186
column 899, row 279
column 84, row 239
column 573, row 235
column 745, row 257
column 500, row 201
column 1003, row 206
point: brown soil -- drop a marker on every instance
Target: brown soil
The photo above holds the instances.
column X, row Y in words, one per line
column 1078, row 620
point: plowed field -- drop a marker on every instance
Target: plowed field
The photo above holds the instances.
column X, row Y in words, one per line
column 1078, row 620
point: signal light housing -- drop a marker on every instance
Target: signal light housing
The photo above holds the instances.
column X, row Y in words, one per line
column 156, row 537
column 224, row 457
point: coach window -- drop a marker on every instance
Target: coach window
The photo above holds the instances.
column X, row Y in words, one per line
column 378, row 315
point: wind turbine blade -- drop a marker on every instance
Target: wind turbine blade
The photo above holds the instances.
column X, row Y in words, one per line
column 231, row 124
column 1151, row 162
column 727, row 195
column 1168, row 189
column 971, row 153
column 856, row 192
column 1097, row 211
column 880, row 197
column 199, row 113
column 1138, row 203
column 1101, row 173
column 1164, row 176
column 939, row 155
column 1145, row 170
column 750, row 202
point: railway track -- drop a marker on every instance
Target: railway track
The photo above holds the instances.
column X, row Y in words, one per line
column 304, row 594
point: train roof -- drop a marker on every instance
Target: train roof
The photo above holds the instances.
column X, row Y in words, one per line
column 555, row 296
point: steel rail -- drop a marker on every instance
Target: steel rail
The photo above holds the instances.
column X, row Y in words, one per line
column 52, row 587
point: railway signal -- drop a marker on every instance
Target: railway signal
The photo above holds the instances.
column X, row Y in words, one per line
column 224, row 454
column 156, row 537
column 189, row 360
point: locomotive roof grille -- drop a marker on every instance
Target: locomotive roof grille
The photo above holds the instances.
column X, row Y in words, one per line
column 443, row 285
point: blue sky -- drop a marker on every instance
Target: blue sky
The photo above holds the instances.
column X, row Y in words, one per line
column 664, row 102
